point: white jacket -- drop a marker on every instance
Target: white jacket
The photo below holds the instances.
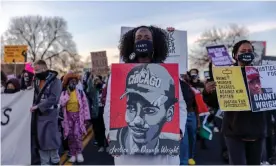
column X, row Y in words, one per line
column 145, row 160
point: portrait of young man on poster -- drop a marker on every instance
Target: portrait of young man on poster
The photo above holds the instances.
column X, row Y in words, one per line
column 150, row 104
column 254, row 81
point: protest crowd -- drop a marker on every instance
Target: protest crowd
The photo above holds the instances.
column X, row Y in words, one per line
column 64, row 107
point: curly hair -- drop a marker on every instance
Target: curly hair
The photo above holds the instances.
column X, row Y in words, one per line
column 160, row 44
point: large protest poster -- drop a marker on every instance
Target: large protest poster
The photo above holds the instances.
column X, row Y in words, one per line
column 178, row 47
column 269, row 60
column 260, row 52
column 16, row 128
column 219, row 55
column 99, row 63
column 144, row 109
column 261, row 81
column 15, row 53
column 231, row 90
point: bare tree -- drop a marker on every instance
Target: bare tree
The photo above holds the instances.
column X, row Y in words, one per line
column 72, row 63
column 2, row 48
column 47, row 38
column 216, row 36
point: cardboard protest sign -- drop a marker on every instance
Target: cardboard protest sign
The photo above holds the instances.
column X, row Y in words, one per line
column 261, row 82
column 178, row 47
column 260, row 52
column 269, row 60
column 231, row 90
column 15, row 53
column 99, row 63
column 219, row 55
column 144, row 109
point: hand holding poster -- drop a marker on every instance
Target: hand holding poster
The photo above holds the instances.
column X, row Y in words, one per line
column 144, row 109
column 231, row 90
column 261, row 82
column 16, row 128
column 219, row 55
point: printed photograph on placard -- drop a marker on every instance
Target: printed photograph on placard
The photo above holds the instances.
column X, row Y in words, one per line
column 144, row 109
column 261, row 86
column 231, row 90
column 260, row 52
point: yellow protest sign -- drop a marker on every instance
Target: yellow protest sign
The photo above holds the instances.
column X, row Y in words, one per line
column 231, row 90
column 15, row 53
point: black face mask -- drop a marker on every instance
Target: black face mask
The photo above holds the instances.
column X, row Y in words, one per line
column 42, row 75
column 246, row 58
column 193, row 77
column 9, row 91
column 143, row 49
column 72, row 87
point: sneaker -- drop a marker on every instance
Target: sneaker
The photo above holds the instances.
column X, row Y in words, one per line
column 72, row 159
column 216, row 129
column 265, row 163
column 80, row 158
column 191, row 162
column 101, row 149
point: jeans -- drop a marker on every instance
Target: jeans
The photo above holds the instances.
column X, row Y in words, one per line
column 244, row 152
column 188, row 143
column 48, row 157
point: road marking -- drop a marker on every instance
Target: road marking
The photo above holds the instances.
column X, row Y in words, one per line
column 84, row 144
column 90, row 133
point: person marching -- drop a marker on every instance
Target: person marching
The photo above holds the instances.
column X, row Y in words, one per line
column 45, row 132
column 244, row 131
column 75, row 112
column 156, row 39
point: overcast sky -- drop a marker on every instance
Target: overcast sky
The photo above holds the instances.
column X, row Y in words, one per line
column 96, row 25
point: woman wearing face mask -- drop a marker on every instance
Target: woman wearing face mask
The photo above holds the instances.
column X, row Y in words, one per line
column 27, row 79
column 244, row 131
column 156, row 51
column 195, row 81
column 75, row 112
column 12, row 86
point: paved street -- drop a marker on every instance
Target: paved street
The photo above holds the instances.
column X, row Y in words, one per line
column 211, row 156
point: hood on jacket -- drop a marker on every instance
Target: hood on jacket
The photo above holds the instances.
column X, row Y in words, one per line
column 15, row 82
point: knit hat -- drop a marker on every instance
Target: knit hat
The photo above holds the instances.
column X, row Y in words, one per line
column 29, row 68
